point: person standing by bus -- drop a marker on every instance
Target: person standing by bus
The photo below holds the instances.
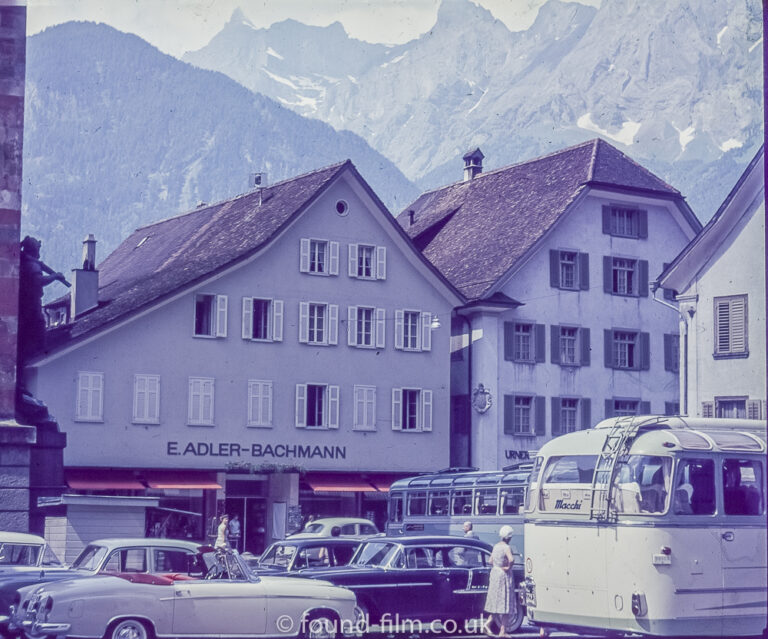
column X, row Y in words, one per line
column 468, row 532
column 501, row 602
column 221, row 536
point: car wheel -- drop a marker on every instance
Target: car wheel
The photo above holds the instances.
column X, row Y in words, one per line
column 516, row 620
column 128, row 629
column 321, row 625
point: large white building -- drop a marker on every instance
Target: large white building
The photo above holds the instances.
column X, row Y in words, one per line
column 554, row 256
column 287, row 345
column 720, row 283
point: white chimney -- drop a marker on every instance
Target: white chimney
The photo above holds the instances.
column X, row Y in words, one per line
column 473, row 164
column 85, row 281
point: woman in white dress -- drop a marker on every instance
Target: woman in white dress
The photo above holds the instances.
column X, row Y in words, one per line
column 501, row 602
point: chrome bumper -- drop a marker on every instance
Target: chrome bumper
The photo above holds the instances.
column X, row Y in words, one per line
column 44, row 628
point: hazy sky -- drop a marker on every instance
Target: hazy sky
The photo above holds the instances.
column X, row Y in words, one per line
column 176, row 26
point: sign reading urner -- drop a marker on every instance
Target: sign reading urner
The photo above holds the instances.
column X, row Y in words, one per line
column 233, row 449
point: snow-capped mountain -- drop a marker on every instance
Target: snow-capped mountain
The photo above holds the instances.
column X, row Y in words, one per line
column 118, row 134
column 677, row 85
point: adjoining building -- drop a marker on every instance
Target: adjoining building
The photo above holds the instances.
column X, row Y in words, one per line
column 719, row 279
column 284, row 352
column 554, row 256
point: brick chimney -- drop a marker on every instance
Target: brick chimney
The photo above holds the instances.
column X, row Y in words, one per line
column 473, row 164
column 85, row 281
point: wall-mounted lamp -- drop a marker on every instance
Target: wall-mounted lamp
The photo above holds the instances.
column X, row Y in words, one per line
column 435, row 322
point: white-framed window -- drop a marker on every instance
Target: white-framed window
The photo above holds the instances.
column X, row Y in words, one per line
column 319, row 257
column 626, row 406
column 318, row 323
column 569, row 274
column 366, row 327
column 89, row 406
column 146, row 399
column 365, row 407
column 210, row 315
column 259, row 402
column 412, row 409
column 568, row 270
column 625, row 276
column 317, row 406
column 624, row 282
column 627, row 349
column 522, row 417
column 524, row 342
column 262, row 319
column 367, row 262
column 569, row 353
column 200, row 410
column 731, row 326
column 732, row 407
column 570, row 414
column 524, row 414
column 413, row 330
column 625, row 221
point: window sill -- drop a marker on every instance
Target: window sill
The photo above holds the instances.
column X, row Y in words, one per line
column 318, row 344
column 365, row 347
column 363, row 429
column 570, row 364
column 630, row 295
column 317, row 274
column 743, row 355
column 201, row 425
column 261, row 340
column 207, row 336
column 528, row 435
column 626, row 237
column 137, row 422
column 410, row 430
column 258, row 425
column 89, row 420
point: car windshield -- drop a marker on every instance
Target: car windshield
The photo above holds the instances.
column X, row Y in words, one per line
column 90, row 559
column 277, row 555
column 375, row 553
column 19, row 554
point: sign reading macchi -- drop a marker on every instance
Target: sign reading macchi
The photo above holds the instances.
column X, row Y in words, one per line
column 234, row 449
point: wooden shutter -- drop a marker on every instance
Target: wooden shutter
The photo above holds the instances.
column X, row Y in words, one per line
column 303, row 322
column 333, row 263
column 607, row 274
column 139, row 398
column 539, row 343
column 333, row 406
column 642, row 224
column 381, row 262
column 555, row 404
column 586, row 412
column 754, row 409
column 554, row 344
column 352, row 325
column 670, row 356
column 644, row 342
column 540, row 415
column 554, row 268
column 645, row 408
column 608, row 408
column 585, row 347
column 399, row 329
column 738, row 325
column 642, row 278
column 207, row 410
column 301, row 405
column 194, row 405
column 584, row 271
column 426, row 331
column 397, row 409
column 608, row 348
column 381, row 328
column 304, row 255
column 707, row 409
column 606, row 219
column 247, row 317
column 333, row 324
column 277, row 320
column 509, row 414
column 509, row 341
column 426, row 410
column 353, row 260
column 266, row 403
column 221, row 316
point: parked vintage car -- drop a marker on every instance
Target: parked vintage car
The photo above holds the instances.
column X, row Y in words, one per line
column 291, row 555
column 218, row 596
column 423, row 578
column 102, row 555
column 345, row 527
column 21, row 551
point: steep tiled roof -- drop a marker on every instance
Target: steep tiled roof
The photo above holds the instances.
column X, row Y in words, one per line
column 163, row 258
column 475, row 231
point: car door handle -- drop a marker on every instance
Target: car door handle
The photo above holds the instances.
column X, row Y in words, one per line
column 444, row 573
column 728, row 536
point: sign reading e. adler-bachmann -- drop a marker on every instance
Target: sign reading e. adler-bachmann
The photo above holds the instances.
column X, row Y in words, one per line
column 233, row 449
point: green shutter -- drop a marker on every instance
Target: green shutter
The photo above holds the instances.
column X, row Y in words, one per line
column 540, row 415
column 509, row 332
column 509, row 414
column 608, row 348
column 645, row 408
column 607, row 274
column 554, row 343
column 642, row 278
column 586, row 412
column 642, row 224
column 585, row 346
column 584, row 271
column 540, row 347
column 554, row 268
column 606, row 219
column 669, row 352
column 608, row 408
column 555, row 403
column 644, row 340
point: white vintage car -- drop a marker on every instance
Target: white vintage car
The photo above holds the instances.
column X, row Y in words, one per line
column 218, row 597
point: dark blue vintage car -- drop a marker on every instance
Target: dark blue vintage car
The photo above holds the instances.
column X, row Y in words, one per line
column 290, row 555
column 423, row 578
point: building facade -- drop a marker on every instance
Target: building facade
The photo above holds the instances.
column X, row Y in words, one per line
column 555, row 256
column 285, row 348
column 719, row 279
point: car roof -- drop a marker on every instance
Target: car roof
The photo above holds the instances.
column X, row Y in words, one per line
column 429, row 540
column 20, row 538
column 136, row 542
column 318, row 541
column 333, row 521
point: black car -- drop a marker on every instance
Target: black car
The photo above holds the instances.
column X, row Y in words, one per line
column 423, row 578
column 290, row 555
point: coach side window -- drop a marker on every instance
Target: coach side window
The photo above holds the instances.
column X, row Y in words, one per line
column 695, row 487
column 742, row 487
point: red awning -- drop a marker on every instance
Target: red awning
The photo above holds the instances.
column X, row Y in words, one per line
column 181, row 479
column 383, row 481
column 102, row 479
column 338, row 482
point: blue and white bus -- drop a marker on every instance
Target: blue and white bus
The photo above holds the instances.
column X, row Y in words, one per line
column 650, row 525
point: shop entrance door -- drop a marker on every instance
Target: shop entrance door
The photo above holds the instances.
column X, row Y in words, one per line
column 253, row 519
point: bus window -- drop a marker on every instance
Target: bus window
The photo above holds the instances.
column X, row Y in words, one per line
column 695, row 487
column 417, row 503
column 532, row 492
column 642, row 484
column 461, row 502
column 511, row 500
column 438, row 502
column 396, row 508
column 487, row 501
column 570, row 469
column 742, row 487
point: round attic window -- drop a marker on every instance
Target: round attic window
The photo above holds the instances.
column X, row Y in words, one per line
column 342, row 208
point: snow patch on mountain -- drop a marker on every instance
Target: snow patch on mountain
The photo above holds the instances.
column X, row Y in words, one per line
column 731, row 144
column 625, row 135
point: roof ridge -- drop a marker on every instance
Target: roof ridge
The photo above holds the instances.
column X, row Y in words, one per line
column 648, row 172
column 593, row 160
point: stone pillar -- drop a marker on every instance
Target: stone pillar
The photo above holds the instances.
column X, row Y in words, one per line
column 485, row 370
